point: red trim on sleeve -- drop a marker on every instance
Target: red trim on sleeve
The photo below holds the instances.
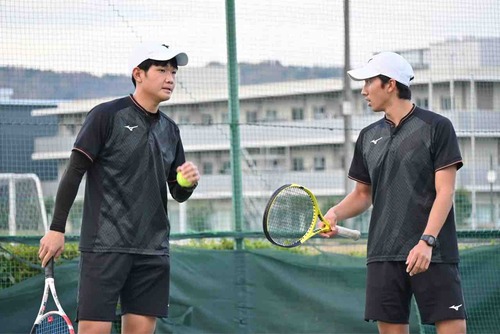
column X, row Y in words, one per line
column 84, row 153
column 459, row 163
column 357, row 180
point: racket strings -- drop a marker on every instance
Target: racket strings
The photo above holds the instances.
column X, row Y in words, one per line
column 290, row 216
column 54, row 324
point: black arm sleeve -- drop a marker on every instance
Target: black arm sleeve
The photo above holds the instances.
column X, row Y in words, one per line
column 181, row 194
column 68, row 188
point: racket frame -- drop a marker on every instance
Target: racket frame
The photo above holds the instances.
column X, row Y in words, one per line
column 50, row 287
column 312, row 230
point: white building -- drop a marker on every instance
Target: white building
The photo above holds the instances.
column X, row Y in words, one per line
column 293, row 132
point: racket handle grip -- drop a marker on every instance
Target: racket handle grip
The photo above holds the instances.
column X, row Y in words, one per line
column 348, row 233
column 49, row 269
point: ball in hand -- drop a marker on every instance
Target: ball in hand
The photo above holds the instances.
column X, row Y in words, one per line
column 182, row 181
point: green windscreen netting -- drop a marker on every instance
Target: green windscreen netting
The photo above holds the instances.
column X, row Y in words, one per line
column 279, row 84
column 270, row 291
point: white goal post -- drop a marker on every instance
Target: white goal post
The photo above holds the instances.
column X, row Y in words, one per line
column 22, row 204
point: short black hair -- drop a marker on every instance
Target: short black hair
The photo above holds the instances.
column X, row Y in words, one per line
column 404, row 92
column 146, row 65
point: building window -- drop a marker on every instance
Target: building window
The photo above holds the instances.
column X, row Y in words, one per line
column 225, row 117
column 423, row 102
column 251, row 116
column 206, row 119
column 498, row 152
column 297, row 114
column 297, row 164
column 367, row 110
column 319, row 163
column 445, row 103
column 208, row 168
column 226, row 168
column 277, row 150
column 71, row 129
column 183, row 119
column 271, row 115
column 319, row 112
column 485, row 96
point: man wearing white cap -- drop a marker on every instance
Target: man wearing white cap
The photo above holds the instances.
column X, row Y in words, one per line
column 405, row 165
column 131, row 153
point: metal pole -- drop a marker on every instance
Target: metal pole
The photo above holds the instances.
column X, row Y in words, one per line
column 473, row 151
column 182, row 217
column 492, row 210
column 12, row 206
column 347, row 102
column 452, row 81
column 491, row 180
column 234, row 119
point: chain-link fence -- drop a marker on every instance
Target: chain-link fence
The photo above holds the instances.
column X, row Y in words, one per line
column 297, row 120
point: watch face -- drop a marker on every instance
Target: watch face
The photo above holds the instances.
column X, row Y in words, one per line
column 429, row 239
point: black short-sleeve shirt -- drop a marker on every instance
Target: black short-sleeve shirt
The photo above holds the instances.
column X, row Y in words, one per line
column 400, row 165
column 134, row 153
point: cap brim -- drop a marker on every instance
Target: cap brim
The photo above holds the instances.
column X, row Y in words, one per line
column 363, row 73
column 182, row 59
column 155, row 51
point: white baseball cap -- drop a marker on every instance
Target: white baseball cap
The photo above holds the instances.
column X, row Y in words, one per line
column 390, row 64
column 155, row 51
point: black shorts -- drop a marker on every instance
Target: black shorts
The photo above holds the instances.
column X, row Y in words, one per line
column 140, row 282
column 389, row 289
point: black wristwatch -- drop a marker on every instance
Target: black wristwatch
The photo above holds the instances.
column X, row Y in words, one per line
column 429, row 239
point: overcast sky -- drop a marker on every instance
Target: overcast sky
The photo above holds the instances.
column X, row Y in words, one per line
column 97, row 35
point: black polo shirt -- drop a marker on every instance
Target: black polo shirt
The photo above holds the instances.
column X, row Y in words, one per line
column 134, row 153
column 400, row 165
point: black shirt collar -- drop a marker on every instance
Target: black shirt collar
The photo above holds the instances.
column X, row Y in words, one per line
column 408, row 115
column 147, row 113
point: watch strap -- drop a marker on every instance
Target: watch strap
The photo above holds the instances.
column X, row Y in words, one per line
column 429, row 239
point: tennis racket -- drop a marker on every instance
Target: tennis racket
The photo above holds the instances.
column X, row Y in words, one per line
column 53, row 322
column 291, row 216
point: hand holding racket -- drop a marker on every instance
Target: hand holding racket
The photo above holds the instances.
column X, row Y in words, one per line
column 291, row 216
column 53, row 322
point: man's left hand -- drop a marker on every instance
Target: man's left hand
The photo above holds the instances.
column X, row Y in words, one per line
column 419, row 258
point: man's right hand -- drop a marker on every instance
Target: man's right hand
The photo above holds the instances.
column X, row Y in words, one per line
column 51, row 245
column 331, row 217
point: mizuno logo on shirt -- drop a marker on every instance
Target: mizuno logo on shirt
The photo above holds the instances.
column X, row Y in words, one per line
column 131, row 128
column 455, row 307
column 375, row 141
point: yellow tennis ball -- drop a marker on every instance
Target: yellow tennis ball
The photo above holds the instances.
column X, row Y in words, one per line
column 182, row 181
